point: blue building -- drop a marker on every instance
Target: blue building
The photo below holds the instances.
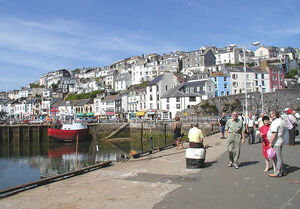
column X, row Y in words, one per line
column 222, row 83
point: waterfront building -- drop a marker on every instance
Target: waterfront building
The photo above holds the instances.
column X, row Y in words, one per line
column 184, row 96
column 155, row 89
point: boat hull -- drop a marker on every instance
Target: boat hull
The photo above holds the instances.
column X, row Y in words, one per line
column 67, row 135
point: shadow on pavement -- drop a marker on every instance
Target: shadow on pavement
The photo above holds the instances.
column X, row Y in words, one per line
column 290, row 169
column 208, row 164
column 242, row 164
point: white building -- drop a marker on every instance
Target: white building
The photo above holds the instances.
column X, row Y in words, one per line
column 184, row 96
column 123, row 81
column 154, row 91
column 227, row 55
column 266, row 52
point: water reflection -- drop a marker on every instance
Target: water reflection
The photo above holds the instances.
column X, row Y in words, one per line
column 25, row 162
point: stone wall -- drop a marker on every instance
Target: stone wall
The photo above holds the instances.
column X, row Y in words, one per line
column 278, row 100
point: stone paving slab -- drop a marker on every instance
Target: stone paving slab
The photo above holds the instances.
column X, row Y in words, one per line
column 137, row 183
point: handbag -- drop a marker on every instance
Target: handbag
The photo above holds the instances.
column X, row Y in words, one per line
column 271, row 153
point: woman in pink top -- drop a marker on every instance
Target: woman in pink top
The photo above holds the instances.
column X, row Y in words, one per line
column 265, row 142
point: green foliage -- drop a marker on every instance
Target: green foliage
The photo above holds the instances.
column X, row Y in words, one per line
column 33, row 85
column 54, row 86
column 209, row 108
column 292, row 73
column 89, row 95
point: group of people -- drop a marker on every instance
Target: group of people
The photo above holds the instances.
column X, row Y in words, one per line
column 273, row 131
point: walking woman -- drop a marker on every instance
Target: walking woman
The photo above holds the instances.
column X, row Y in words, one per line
column 265, row 142
column 178, row 132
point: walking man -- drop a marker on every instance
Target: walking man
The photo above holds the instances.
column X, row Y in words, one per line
column 236, row 131
column 222, row 122
column 277, row 131
column 250, row 128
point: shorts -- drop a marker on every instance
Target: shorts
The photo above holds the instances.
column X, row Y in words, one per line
column 222, row 129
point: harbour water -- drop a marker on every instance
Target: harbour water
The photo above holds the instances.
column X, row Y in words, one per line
column 25, row 162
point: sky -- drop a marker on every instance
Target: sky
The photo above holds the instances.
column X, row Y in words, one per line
column 39, row 36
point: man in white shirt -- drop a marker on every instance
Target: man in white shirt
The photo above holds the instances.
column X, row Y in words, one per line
column 250, row 129
column 277, row 131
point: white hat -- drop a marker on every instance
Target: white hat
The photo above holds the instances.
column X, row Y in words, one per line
column 286, row 109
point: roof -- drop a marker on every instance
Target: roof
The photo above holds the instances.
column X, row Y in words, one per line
column 219, row 74
column 155, row 80
column 110, row 98
column 83, row 102
column 177, row 90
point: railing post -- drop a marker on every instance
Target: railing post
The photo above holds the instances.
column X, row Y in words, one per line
column 165, row 132
column 142, row 136
column 151, row 139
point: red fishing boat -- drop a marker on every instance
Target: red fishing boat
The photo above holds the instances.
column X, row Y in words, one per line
column 68, row 132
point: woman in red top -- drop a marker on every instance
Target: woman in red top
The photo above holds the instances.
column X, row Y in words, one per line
column 265, row 142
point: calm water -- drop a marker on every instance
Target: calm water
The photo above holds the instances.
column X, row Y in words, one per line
column 20, row 164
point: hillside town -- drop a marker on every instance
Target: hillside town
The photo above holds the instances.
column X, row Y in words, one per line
column 153, row 86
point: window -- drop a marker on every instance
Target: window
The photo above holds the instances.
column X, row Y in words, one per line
column 141, row 106
column 225, row 86
column 210, row 89
column 263, row 83
column 198, row 89
column 150, row 88
column 165, row 115
column 177, row 99
column 235, row 84
column 168, row 99
column 157, row 97
column 157, row 88
column 151, row 97
column 192, row 89
column 274, row 78
column 262, row 76
column 256, row 76
column 168, row 106
column 248, row 76
column 234, row 76
column 192, row 99
column 225, row 78
column 256, row 83
column 216, row 86
column 215, row 79
column 151, row 106
column 177, row 106
column 141, row 73
column 280, row 78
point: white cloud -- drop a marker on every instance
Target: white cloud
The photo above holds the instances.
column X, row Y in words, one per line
column 54, row 44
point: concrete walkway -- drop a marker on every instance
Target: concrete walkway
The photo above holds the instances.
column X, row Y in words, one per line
column 162, row 181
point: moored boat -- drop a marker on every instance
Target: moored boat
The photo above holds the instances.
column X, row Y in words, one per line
column 68, row 132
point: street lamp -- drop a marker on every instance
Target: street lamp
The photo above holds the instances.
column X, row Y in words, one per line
column 245, row 71
column 262, row 99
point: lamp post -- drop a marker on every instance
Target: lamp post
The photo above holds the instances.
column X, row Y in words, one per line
column 245, row 71
column 262, row 99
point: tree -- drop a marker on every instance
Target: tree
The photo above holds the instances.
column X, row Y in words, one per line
column 292, row 73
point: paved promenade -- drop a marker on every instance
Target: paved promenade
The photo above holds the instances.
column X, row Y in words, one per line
column 162, row 181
